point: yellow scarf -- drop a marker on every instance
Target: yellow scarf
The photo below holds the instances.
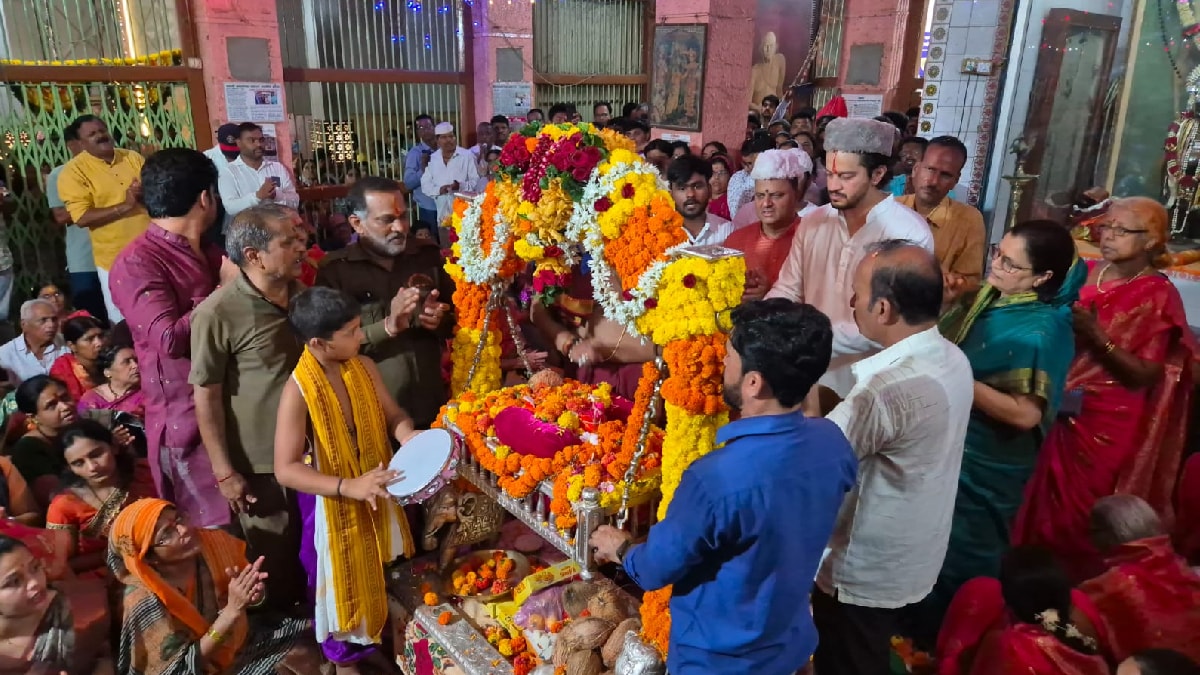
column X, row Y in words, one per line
column 359, row 585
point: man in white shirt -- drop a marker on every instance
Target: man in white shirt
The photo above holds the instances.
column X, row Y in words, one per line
column 450, row 169
column 825, row 252
column 252, row 179
column 485, row 137
column 688, row 177
column 37, row 347
column 906, row 419
column 226, row 149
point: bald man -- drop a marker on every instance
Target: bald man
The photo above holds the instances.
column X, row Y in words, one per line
column 906, row 418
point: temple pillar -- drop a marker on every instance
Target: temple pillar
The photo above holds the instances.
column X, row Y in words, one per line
column 216, row 22
column 894, row 27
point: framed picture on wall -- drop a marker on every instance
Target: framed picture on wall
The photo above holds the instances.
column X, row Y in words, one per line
column 677, row 78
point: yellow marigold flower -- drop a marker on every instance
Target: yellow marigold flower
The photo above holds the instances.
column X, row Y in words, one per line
column 568, row 420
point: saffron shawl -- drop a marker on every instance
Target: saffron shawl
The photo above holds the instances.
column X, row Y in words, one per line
column 351, row 594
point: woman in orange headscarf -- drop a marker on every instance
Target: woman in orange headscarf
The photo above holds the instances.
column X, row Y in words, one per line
column 1130, row 388
column 186, row 596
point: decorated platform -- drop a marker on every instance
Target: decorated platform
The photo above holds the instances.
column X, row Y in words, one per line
column 562, row 455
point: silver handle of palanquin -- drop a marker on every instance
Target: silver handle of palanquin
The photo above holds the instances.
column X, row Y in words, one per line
column 589, row 515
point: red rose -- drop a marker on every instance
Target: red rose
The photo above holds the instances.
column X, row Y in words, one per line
column 553, row 251
column 581, row 174
column 561, row 161
column 593, row 155
column 689, row 281
column 628, row 191
column 626, row 296
column 453, row 236
column 650, row 303
column 603, row 204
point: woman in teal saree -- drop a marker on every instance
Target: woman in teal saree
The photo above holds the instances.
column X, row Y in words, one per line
column 1018, row 336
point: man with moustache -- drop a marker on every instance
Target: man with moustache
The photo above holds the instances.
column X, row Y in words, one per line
column 403, row 290
column 906, row 418
column 958, row 231
column 102, row 191
column 252, row 178
column 688, row 177
column 243, row 352
column 825, row 252
column 749, row 521
column 780, row 179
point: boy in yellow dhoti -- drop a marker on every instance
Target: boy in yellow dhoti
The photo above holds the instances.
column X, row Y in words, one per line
column 353, row 527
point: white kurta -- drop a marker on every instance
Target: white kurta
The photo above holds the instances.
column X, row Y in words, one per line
column 819, row 270
column 714, row 233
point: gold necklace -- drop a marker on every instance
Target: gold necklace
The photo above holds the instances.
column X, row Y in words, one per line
column 1104, row 270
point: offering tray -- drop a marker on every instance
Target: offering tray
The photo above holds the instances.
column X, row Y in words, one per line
column 521, row 568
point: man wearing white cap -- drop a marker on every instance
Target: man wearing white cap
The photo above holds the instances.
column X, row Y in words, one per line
column 825, row 252
column 780, row 179
column 450, row 169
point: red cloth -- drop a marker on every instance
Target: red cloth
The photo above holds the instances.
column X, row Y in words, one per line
column 979, row 637
column 308, row 268
column 1149, row 598
column 835, row 107
column 719, row 206
column 1124, row 440
column 1187, row 511
column 763, row 254
column 67, row 370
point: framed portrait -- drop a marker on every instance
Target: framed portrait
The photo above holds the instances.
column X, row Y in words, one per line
column 677, row 78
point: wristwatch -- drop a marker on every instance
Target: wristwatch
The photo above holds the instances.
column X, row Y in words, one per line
column 622, row 550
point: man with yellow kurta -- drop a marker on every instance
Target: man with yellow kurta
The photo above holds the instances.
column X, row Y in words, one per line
column 102, row 190
column 352, row 528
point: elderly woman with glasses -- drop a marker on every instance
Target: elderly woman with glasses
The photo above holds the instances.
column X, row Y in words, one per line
column 1131, row 382
column 187, row 592
column 1017, row 333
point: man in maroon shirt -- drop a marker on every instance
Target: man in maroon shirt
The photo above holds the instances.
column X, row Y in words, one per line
column 156, row 282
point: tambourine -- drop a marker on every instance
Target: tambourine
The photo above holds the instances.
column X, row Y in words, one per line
column 428, row 461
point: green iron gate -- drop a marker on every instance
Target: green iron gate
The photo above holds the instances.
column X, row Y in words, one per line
column 142, row 116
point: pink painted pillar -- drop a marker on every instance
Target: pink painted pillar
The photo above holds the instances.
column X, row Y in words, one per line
column 880, row 22
column 726, row 65
column 498, row 25
column 218, row 20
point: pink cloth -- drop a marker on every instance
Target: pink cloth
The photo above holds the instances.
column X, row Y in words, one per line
column 156, row 282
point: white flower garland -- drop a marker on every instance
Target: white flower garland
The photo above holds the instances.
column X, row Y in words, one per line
column 584, row 227
column 479, row 266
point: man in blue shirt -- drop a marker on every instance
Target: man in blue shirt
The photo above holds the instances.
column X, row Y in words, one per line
column 414, row 167
column 749, row 522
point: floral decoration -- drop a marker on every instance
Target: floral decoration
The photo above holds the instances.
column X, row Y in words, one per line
column 169, row 57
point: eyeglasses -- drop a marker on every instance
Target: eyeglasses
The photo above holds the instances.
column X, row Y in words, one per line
column 1119, row 231
column 1006, row 263
column 171, row 534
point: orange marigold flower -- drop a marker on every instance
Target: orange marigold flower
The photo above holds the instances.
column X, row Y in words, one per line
column 445, row 618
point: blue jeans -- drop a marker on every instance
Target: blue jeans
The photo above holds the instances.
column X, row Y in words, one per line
column 86, row 294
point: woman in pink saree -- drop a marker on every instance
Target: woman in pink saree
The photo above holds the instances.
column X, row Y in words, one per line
column 1131, row 384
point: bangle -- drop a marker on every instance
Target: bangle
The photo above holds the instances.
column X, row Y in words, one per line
column 1110, row 347
column 215, row 636
column 339, row 487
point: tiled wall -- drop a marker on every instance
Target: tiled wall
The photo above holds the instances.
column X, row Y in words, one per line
column 958, row 104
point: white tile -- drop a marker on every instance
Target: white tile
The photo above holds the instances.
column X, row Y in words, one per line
column 951, row 92
column 981, row 39
column 962, row 13
column 956, row 43
column 985, row 13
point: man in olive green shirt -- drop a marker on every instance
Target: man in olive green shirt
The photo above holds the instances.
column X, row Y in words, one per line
column 387, row 272
column 243, row 352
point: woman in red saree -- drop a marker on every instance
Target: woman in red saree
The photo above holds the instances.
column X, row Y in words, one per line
column 1028, row 622
column 1131, row 380
column 78, row 370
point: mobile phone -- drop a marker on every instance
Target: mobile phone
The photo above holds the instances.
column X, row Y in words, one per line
column 100, row 415
column 275, row 180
